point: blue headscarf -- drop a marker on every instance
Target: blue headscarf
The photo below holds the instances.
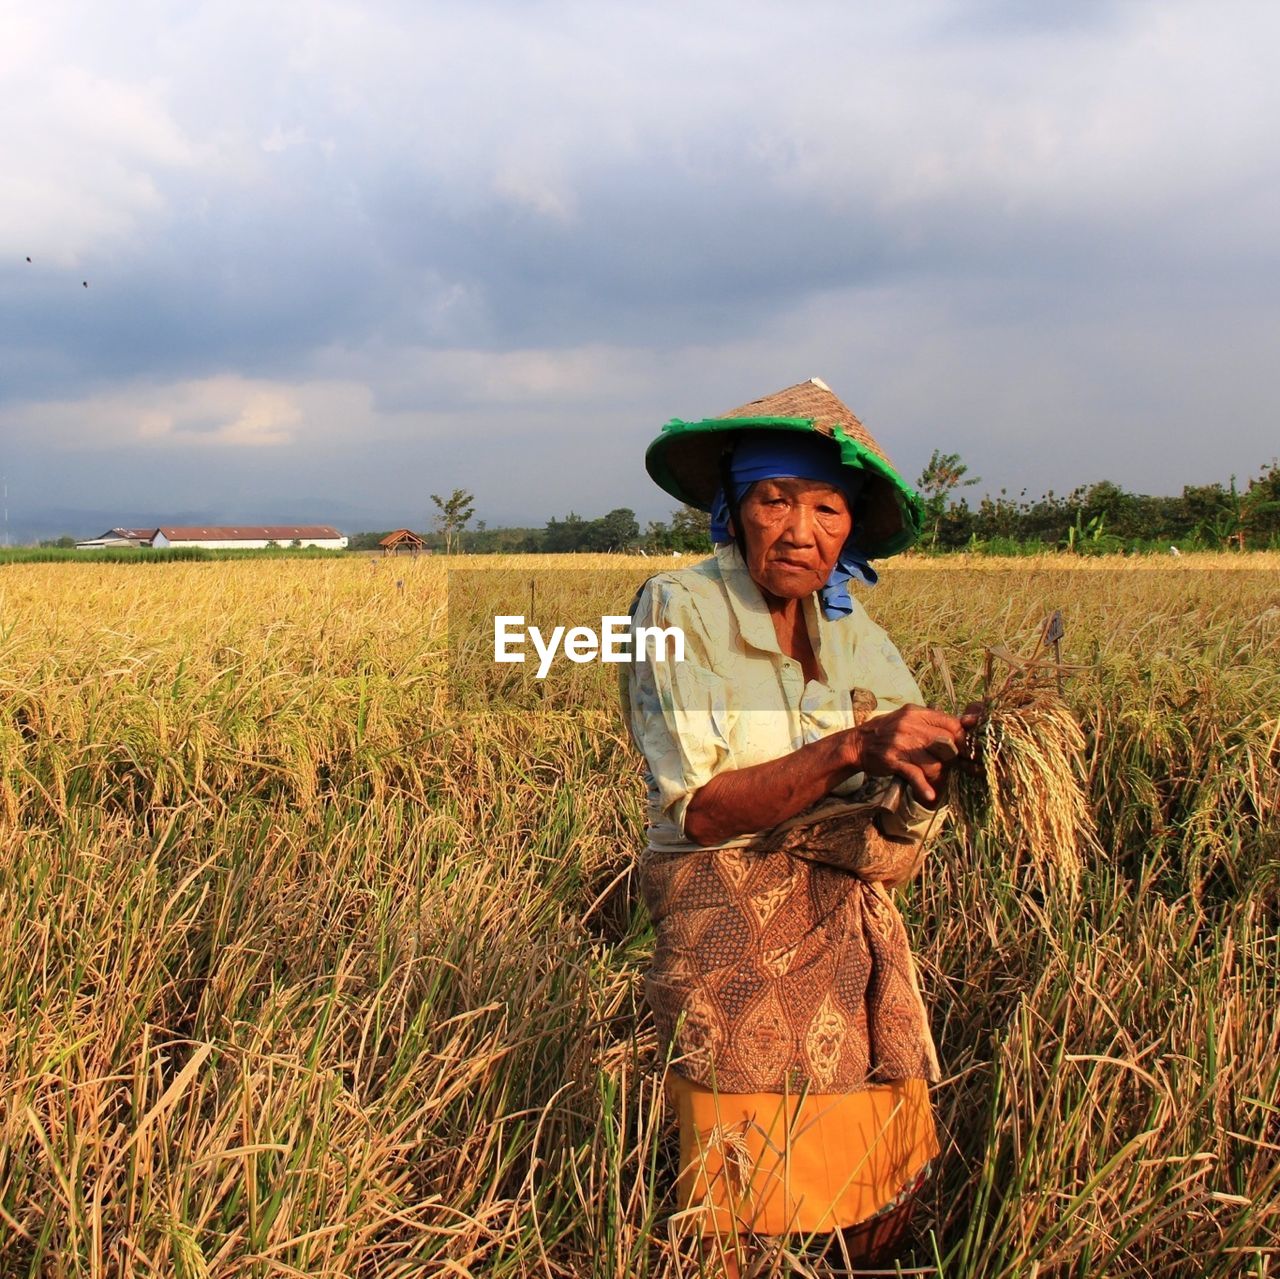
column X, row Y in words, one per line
column 777, row 455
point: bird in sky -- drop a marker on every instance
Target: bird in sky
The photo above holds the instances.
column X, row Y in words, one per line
column 85, row 283
column 28, row 257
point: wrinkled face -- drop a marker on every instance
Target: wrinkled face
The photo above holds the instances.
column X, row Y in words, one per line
column 794, row 531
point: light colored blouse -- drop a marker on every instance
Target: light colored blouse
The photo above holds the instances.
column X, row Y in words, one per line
column 737, row 699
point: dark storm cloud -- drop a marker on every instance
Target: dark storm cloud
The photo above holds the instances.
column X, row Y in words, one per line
column 648, row 262
column 251, row 289
column 690, row 228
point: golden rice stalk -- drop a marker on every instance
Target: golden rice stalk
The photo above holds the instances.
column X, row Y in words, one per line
column 1028, row 788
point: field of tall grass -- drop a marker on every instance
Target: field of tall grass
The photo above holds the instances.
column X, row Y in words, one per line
column 318, row 962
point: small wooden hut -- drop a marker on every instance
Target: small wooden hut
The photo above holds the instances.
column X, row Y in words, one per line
column 403, row 541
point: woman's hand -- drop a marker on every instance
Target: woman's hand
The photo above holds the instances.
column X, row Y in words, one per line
column 914, row 743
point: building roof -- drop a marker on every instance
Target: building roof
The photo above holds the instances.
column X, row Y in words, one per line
column 401, row 535
column 248, row 532
column 133, row 534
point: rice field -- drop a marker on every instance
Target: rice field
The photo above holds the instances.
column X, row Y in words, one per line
column 321, row 957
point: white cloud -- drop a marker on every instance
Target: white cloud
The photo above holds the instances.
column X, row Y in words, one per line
column 83, row 157
column 528, row 186
column 225, row 412
column 503, row 380
column 898, row 113
column 280, row 139
column 1128, row 120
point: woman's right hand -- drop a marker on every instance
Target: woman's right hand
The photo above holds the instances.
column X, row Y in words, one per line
column 914, row 743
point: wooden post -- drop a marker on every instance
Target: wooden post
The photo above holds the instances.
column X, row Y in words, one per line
column 1054, row 630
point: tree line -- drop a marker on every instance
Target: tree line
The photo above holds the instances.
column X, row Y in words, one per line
column 1092, row 519
column 1099, row 518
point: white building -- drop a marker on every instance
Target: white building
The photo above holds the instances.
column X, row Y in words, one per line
column 222, row 537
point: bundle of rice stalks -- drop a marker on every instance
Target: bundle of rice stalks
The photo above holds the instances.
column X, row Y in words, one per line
column 1026, row 787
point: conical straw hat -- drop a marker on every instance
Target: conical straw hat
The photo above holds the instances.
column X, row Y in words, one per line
column 685, row 459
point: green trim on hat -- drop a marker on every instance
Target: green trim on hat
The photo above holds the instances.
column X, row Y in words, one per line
column 883, row 479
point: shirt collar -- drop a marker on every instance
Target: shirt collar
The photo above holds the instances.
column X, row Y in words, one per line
column 755, row 622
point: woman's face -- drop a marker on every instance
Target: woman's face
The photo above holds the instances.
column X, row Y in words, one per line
column 794, row 532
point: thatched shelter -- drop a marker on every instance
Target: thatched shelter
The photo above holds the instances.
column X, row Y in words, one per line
column 404, row 541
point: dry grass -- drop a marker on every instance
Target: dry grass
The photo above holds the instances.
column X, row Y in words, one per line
column 307, row 970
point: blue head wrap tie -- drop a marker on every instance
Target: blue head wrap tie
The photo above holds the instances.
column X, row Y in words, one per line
column 779, row 455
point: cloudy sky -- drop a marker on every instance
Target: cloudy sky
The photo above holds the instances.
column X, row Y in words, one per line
column 343, row 255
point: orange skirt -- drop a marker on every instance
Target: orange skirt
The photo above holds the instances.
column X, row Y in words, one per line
column 777, row 1165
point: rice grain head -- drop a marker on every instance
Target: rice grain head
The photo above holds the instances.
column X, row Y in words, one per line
column 1030, row 793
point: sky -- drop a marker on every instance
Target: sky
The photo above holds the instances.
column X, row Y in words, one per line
column 341, row 256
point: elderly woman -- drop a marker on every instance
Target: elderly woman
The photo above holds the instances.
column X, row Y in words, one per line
column 793, row 777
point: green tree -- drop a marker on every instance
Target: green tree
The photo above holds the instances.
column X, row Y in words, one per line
column 566, row 535
column 452, row 514
column 944, row 474
column 613, row 532
column 690, row 529
column 657, row 537
column 1261, row 504
column 1204, row 506
column 366, row 541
